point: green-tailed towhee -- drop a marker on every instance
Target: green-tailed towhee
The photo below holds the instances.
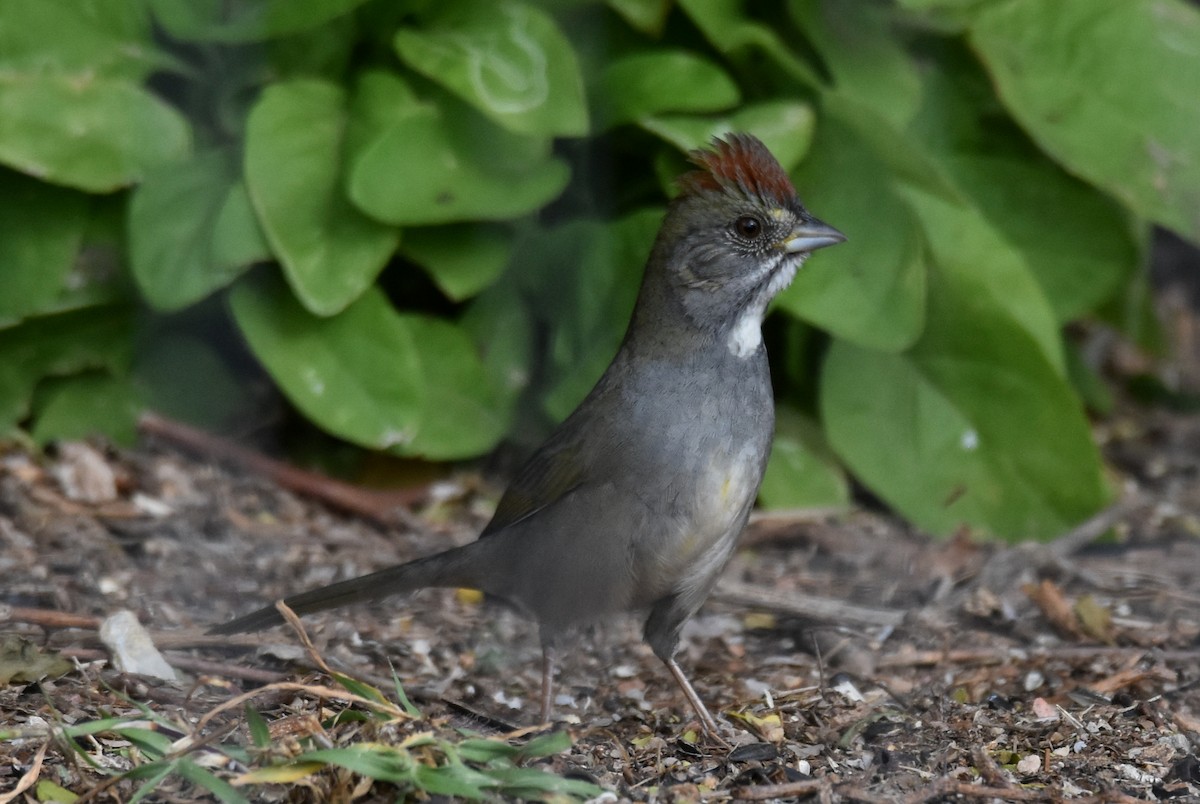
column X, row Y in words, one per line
column 636, row 501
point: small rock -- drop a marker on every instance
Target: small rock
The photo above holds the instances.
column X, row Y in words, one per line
column 1030, row 765
column 83, row 473
column 131, row 647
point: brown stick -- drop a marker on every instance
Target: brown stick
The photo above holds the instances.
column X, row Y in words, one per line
column 378, row 506
column 817, row 608
column 48, row 618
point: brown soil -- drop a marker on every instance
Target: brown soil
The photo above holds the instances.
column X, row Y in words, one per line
column 852, row 658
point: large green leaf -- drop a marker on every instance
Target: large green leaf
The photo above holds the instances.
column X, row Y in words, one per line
column 462, row 417
column 988, row 269
column 191, row 231
column 507, row 59
column 58, row 345
column 41, row 227
column 1078, row 243
column 866, row 59
column 802, row 472
column 185, row 378
column 436, row 164
column 647, row 16
column 356, row 374
column 462, row 259
column 91, row 133
column 85, row 404
column 330, row 251
column 785, row 127
column 1109, row 88
column 972, row 426
column 245, row 20
column 586, row 309
column 111, row 38
column 371, row 375
column 734, row 32
column 871, row 289
column 634, row 87
column 500, row 323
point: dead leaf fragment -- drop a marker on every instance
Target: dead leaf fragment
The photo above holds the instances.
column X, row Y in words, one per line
column 1095, row 618
column 1048, row 597
column 21, row 661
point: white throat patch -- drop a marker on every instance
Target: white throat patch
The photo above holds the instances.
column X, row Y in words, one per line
column 746, row 335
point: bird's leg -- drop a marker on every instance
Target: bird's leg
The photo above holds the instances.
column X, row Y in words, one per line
column 547, row 681
column 706, row 720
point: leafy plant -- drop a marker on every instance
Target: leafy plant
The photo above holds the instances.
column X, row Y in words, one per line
column 150, row 752
column 449, row 204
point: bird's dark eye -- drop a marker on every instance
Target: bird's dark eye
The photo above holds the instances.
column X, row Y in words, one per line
column 748, row 226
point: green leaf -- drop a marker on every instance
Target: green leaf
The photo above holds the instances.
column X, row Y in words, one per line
column 462, row 259
column 236, row 21
column 802, row 472
column 41, row 228
column 222, row 790
column 47, row 790
column 385, row 763
column 862, row 52
column 330, row 251
column 184, row 378
column 436, row 166
column 531, row 783
column 87, row 132
column 660, row 81
column 153, row 773
column 502, row 327
column 152, row 743
column 191, row 231
column 784, row 126
column 84, row 405
column 402, row 696
column 58, row 345
column 587, row 309
column 110, row 38
column 260, row 732
column 1108, row 88
column 946, row 16
column 645, row 16
column 461, row 417
column 1078, row 244
column 456, row 780
column 356, row 374
column 896, row 150
column 372, row 376
column 871, row 289
column 963, row 242
column 544, row 745
column 237, row 237
column 729, row 29
column 507, row 59
column 972, row 426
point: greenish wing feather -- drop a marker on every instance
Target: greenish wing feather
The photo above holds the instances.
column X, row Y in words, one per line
column 551, row 474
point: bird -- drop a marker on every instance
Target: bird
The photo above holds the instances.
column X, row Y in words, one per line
column 635, row 502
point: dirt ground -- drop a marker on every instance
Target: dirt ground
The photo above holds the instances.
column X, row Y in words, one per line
column 850, row 658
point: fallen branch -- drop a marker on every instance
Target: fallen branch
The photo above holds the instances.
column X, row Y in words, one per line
column 378, row 506
column 817, row 608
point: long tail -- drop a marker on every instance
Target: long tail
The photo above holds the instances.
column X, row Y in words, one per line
column 451, row 568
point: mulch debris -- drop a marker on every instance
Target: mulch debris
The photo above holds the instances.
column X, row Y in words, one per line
column 853, row 658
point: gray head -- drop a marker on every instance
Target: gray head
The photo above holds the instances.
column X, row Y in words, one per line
column 733, row 238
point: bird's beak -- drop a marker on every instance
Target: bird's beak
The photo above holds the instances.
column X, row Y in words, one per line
column 812, row 235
